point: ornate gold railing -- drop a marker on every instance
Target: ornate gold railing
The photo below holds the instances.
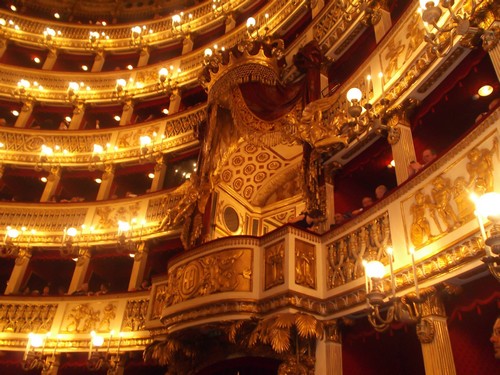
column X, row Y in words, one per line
column 75, row 37
column 170, row 134
column 69, row 320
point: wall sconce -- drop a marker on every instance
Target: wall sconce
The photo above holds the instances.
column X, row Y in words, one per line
column 73, row 93
column 148, row 149
column 23, row 90
column 103, row 360
column 253, row 30
column 488, row 207
column 68, row 246
column 125, row 242
column 405, row 309
column 34, row 356
column 98, row 158
column 220, row 7
column 47, row 159
column 431, row 15
column 9, row 247
column 166, row 82
column 181, row 26
column 120, row 87
column 137, row 37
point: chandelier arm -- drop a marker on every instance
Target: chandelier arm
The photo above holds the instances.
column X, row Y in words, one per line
column 494, row 269
column 377, row 321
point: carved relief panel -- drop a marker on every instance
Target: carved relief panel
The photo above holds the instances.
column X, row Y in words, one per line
column 274, row 258
column 445, row 205
column 87, row 317
column 345, row 256
column 25, row 317
column 305, row 264
column 224, row 271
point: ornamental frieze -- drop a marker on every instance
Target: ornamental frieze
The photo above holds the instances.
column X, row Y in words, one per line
column 87, row 317
column 305, row 264
column 345, row 255
column 224, row 271
column 444, row 205
column 26, row 317
column 274, row 258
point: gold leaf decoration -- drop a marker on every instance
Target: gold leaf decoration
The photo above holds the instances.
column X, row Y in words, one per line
column 308, row 326
column 280, row 340
column 285, row 321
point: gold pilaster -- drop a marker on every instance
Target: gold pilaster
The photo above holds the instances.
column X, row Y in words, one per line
column 495, row 58
column 50, row 60
column 187, row 44
column 432, row 331
column 82, row 265
column 175, row 102
column 17, row 276
column 106, row 183
column 140, row 260
column 329, row 350
column 25, row 114
column 403, row 150
column 159, row 178
column 143, row 57
column 52, row 184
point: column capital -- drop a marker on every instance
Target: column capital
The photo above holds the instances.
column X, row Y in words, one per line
column 332, row 331
column 23, row 256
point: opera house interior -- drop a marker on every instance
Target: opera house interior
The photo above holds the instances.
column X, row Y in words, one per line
column 241, row 187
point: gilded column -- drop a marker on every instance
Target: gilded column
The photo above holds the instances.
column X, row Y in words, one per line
column 432, row 332
column 383, row 25
column 140, row 260
column 50, row 60
column 143, row 57
column 19, row 271
column 401, row 140
column 52, row 183
column 494, row 52
column 78, row 115
column 160, row 171
column 25, row 114
column 316, row 7
column 127, row 111
column 106, row 183
column 80, row 273
column 175, row 102
column 3, row 46
column 99, row 61
column 329, row 351
column 187, row 44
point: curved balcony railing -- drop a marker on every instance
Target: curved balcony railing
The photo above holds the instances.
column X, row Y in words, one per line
column 75, row 149
column 143, row 82
column 73, row 37
column 70, row 320
column 45, row 224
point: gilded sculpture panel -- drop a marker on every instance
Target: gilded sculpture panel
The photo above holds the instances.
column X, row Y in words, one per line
column 223, row 271
column 345, row 255
column 274, row 258
column 305, row 264
column 135, row 314
column 87, row 317
column 26, row 317
column 445, row 205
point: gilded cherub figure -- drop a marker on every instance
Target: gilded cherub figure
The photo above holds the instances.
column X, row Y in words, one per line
column 442, row 194
column 420, row 228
